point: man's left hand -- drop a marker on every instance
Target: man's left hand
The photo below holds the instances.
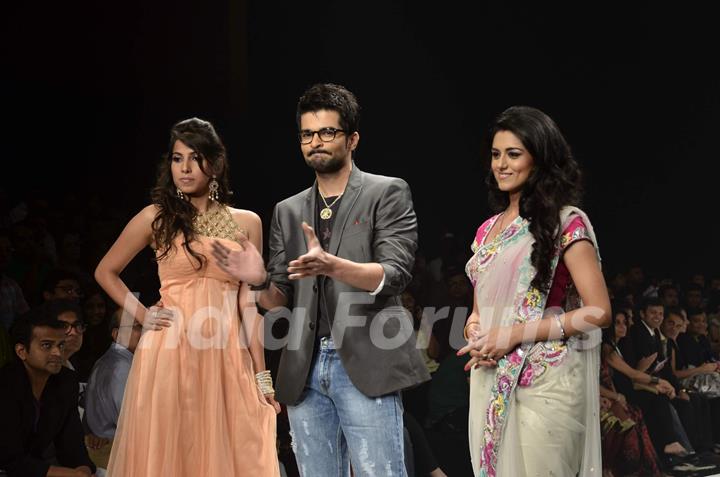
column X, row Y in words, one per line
column 315, row 262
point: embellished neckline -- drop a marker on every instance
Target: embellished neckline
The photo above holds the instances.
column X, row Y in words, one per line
column 216, row 222
column 506, row 232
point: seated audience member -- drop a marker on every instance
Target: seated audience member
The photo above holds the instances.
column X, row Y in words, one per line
column 642, row 350
column 694, row 296
column 61, row 285
column 693, row 407
column 96, row 339
column 669, row 295
column 38, row 405
column 714, row 334
column 71, row 316
column 626, row 444
column 106, row 386
column 694, row 344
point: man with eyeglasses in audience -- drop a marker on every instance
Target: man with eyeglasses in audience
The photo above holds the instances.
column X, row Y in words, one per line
column 41, row 434
column 62, row 285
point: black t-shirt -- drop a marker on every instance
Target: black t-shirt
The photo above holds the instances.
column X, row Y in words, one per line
column 696, row 350
column 29, row 427
column 324, row 234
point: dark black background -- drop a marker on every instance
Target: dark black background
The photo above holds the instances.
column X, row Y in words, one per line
column 90, row 90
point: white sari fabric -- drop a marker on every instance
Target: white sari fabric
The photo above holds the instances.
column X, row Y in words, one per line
column 537, row 412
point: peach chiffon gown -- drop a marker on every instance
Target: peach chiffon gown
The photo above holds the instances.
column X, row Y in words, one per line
column 191, row 406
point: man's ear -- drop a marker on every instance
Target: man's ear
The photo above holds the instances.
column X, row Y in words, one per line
column 21, row 351
column 354, row 140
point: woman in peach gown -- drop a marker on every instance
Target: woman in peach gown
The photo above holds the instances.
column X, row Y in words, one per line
column 198, row 401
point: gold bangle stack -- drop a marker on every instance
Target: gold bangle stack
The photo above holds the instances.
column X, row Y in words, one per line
column 264, row 382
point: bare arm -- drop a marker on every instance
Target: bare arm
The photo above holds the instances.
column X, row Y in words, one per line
column 582, row 263
column 252, row 321
column 240, row 264
column 136, row 236
column 365, row 276
column 619, row 364
column 55, row 471
column 608, row 393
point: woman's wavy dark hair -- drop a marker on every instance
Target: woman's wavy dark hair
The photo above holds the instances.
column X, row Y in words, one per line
column 554, row 182
column 608, row 334
column 176, row 214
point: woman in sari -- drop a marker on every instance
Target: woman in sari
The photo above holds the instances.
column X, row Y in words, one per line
column 534, row 394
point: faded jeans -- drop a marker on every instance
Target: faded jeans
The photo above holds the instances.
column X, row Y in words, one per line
column 334, row 424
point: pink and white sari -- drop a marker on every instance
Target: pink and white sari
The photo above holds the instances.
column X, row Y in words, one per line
column 537, row 412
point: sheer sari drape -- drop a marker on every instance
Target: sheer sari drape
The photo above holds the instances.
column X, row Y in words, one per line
column 537, row 412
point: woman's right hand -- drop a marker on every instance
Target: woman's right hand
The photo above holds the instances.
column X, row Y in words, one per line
column 621, row 399
column 245, row 265
column 157, row 317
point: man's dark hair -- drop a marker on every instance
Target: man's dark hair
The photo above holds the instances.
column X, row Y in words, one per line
column 650, row 301
column 331, row 97
column 674, row 310
column 43, row 315
column 55, row 277
column 665, row 287
column 694, row 287
column 694, row 312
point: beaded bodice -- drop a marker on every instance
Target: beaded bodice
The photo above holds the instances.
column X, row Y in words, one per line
column 216, row 222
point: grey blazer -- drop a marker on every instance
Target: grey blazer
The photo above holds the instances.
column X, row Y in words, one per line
column 373, row 334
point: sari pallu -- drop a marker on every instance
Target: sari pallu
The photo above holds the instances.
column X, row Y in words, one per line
column 537, row 411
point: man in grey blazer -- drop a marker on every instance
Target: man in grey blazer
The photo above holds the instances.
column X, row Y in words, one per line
column 341, row 253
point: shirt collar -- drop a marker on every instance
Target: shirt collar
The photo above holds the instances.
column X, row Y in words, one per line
column 652, row 332
column 122, row 350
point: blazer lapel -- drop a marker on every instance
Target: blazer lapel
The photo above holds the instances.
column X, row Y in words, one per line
column 309, row 210
column 350, row 196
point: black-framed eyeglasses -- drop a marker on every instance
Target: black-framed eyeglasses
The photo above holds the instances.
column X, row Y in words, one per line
column 79, row 326
column 325, row 135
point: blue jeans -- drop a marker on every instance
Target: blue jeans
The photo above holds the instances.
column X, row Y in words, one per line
column 335, row 424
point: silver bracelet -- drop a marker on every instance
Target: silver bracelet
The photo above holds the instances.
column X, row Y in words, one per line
column 264, row 382
column 559, row 323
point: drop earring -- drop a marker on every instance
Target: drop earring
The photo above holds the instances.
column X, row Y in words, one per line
column 214, row 186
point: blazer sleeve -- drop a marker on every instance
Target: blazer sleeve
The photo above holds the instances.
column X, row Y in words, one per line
column 277, row 260
column 395, row 237
column 70, row 441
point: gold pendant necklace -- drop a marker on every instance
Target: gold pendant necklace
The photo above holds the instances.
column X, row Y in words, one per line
column 327, row 212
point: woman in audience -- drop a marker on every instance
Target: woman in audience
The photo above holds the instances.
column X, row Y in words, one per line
column 627, row 447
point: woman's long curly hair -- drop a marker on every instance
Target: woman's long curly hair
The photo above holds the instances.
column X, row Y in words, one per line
column 176, row 214
column 554, row 182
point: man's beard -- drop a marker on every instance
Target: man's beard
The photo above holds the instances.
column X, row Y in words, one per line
column 325, row 166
